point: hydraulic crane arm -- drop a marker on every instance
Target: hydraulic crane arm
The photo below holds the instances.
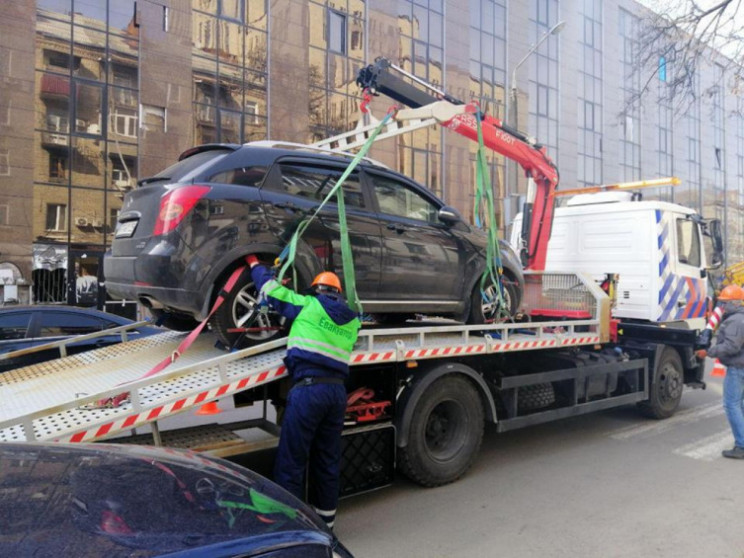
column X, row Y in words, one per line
column 381, row 78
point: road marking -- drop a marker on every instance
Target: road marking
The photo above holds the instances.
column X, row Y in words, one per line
column 708, row 448
column 657, row 427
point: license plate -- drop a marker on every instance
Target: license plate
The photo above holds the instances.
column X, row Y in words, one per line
column 126, row 229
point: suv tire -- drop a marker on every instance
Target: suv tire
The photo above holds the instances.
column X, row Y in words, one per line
column 240, row 309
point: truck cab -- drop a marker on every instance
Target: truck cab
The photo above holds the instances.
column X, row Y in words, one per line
column 656, row 250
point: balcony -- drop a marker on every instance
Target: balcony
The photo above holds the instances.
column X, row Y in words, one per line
column 51, row 139
column 55, row 86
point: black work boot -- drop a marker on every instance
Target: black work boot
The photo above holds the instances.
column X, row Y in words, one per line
column 735, row 453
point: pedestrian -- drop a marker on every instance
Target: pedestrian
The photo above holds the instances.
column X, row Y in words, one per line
column 729, row 349
column 321, row 338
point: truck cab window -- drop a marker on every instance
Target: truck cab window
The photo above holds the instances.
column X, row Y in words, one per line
column 688, row 242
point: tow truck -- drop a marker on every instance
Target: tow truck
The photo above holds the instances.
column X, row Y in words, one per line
column 419, row 395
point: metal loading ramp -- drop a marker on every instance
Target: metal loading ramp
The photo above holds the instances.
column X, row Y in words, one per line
column 47, row 401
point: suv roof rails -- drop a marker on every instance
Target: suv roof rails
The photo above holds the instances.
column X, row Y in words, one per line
column 304, row 147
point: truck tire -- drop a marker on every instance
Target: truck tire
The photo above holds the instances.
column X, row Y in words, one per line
column 538, row 396
column 239, row 309
column 665, row 391
column 445, row 433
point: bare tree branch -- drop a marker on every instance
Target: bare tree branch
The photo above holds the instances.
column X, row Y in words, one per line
column 681, row 40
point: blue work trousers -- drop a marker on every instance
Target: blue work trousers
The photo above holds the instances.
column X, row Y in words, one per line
column 311, row 436
column 733, row 397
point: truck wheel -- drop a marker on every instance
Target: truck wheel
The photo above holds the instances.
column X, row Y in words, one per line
column 666, row 387
column 445, row 433
column 240, row 309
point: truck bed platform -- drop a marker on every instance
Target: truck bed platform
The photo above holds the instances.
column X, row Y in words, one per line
column 47, row 401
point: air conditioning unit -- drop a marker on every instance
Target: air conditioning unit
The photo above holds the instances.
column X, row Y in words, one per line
column 94, row 129
column 122, row 183
column 81, row 222
column 98, row 223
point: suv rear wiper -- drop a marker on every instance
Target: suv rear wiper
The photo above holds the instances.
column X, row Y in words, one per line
column 152, row 179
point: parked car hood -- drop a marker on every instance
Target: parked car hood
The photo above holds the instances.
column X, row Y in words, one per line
column 111, row 499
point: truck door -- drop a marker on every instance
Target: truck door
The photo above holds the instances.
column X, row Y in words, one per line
column 683, row 286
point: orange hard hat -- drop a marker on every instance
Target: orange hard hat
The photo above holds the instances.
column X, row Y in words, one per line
column 731, row 292
column 328, row 279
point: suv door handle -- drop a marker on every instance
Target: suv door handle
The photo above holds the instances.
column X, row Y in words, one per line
column 400, row 229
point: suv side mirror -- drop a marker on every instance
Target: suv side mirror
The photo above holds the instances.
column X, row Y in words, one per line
column 449, row 215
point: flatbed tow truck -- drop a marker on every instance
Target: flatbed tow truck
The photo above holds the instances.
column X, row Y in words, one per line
column 420, row 394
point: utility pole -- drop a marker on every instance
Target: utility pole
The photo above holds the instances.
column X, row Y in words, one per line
column 512, row 119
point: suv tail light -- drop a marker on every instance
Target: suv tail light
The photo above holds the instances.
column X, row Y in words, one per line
column 175, row 205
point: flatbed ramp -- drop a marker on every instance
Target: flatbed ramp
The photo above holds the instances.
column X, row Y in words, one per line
column 48, row 401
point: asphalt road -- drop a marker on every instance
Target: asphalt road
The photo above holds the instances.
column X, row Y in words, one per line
column 609, row 484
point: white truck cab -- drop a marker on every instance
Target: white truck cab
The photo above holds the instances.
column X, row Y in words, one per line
column 656, row 249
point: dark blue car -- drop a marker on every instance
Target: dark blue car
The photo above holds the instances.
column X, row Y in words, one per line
column 24, row 327
column 125, row 500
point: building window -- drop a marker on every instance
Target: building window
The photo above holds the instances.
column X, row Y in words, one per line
column 590, row 95
column 57, row 167
column 154, row 118
column 631, row 86
column 56, row 217
column 543, row 78
column 124, row 123
column 251, row 112
column 336, row 32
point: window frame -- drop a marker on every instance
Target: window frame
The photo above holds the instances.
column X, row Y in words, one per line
column 274, row 182
column 407, row 185
column 343, row 18
column 695, row 247
column 60, row 212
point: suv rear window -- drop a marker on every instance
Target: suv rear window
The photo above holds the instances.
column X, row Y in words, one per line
column 244, row 176
column 183, row 168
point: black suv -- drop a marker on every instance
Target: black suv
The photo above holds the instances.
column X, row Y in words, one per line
column 181, row 233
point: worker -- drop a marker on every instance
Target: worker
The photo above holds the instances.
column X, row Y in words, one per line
column 321, row 338
column 729, row 349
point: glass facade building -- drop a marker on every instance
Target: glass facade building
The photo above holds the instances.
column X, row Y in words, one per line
column 98, row 94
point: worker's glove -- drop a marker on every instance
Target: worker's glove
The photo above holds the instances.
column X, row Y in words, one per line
column 252, row 261
column 701, row 353
column 703, row 340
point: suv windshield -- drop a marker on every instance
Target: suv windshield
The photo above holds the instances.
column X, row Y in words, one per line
column 184, row 168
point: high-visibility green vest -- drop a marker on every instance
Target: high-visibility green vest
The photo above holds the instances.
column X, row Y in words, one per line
column 313, row 330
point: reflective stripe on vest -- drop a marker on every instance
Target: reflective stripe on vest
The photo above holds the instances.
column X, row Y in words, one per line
column 313, row 330
column 320, row 348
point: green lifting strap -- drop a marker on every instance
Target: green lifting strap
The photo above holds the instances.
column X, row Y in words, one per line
column 346, row 255
column 494, row 268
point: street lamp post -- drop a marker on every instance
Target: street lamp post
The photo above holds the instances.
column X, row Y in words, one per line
column 513, row 113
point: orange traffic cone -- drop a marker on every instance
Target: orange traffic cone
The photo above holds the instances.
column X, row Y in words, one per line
column 210, row 408
column 718, row 369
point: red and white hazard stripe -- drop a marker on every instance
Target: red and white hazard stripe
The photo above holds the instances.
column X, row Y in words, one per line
column 364, row 358
column 138, row 419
